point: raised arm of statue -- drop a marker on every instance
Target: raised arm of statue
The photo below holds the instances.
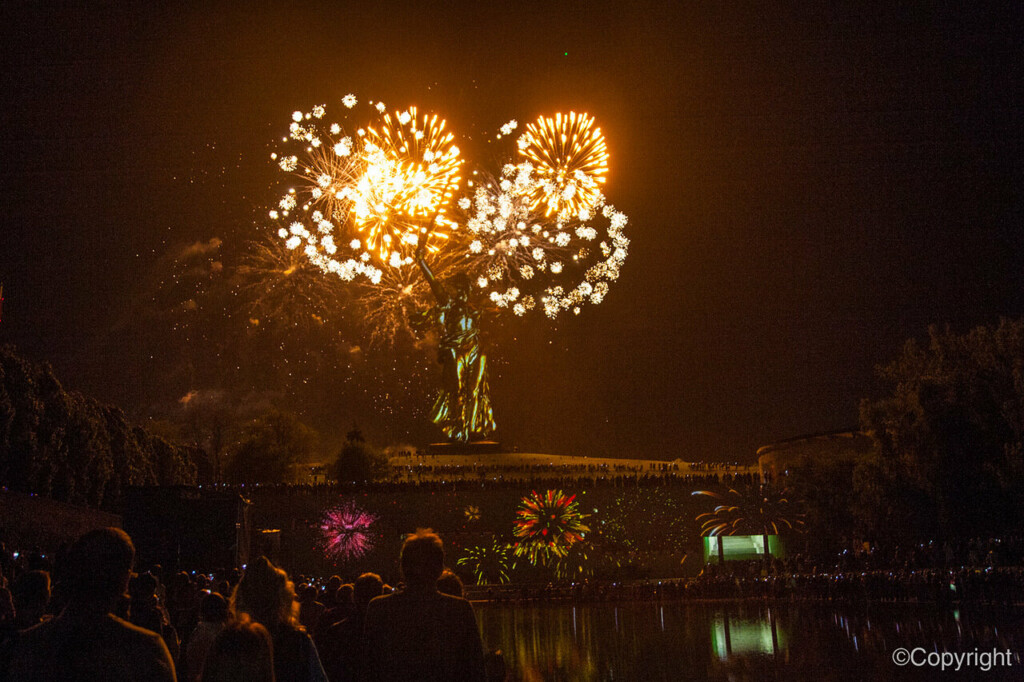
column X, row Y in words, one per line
column 435, row 286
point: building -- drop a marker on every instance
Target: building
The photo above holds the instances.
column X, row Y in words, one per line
column 778, row 458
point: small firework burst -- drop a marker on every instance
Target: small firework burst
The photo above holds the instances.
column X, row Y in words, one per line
column 347, row 531
column 472, row 513
column 576, row 563
column 489, row 563
column 547, row 525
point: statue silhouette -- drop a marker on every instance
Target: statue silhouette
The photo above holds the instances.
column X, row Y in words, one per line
column 463, row 407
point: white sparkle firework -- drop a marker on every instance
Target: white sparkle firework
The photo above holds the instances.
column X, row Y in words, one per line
column 362, row 203
column 521, row 254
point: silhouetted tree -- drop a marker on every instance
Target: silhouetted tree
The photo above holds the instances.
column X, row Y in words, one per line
column 359, row 461
column 64, row 445
column 949, row 436
column 269, row 448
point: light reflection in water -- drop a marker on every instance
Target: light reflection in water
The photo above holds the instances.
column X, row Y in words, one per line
column 734, row 641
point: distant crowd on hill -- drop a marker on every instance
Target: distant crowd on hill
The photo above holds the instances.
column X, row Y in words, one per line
column 488, row 479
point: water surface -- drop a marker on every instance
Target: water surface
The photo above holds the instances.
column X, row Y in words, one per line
column 748, row 640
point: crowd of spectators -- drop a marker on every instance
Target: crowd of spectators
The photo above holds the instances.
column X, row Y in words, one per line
column 259, row 624
column 441, row 481
column 101, row 621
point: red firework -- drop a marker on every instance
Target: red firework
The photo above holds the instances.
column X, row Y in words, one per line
column 547, row 525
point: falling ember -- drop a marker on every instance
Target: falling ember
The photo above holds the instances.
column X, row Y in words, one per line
column 346, row 531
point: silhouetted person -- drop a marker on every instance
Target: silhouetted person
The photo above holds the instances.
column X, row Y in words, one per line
column 267, row 596
column 31, row 595
column 419, row 633
column 241, row 652
column 311, row 610
column 147, row 611
column 213, row 613
column 86, row 642
column 341, row 645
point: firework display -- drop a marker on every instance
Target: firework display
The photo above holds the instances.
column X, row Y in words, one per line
column 547, row 525
column 571, row 161
column 346, row 531
column 756, row 510
column 472, row 513
column 364, row 201
column 380, row 210
column 490, row 564
column 539, row 235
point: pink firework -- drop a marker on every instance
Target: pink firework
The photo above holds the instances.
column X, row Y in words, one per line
column 346, row 531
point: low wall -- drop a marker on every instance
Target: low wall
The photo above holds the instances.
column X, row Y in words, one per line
column 30, row 521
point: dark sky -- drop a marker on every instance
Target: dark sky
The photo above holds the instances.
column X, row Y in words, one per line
column 806, row 189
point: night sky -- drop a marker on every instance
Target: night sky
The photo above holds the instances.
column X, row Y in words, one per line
column 806, row 190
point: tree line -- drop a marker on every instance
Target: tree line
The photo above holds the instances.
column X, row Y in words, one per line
column 948, row 461
column 73, row 448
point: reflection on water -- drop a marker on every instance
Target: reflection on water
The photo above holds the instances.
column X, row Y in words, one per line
column 735, row 636
column 740, row 641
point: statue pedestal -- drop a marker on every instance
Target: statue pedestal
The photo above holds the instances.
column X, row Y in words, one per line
column 473, row 447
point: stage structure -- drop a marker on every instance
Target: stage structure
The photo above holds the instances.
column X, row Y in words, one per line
column 719, row 548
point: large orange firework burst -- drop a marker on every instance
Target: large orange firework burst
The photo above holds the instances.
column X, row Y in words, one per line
column 365, row 192
column 364, row 201
column 410, row 172
column 547, row 525
column 570, row 159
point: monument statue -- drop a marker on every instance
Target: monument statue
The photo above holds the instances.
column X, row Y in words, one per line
column 463, row 406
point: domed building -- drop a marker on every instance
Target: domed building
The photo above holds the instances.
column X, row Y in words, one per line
column 777, row 459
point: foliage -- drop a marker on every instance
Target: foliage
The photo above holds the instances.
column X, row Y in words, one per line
column 949, row 436
column 825, row 489
column 64, row 445
column 359, row 461
column 269, row 448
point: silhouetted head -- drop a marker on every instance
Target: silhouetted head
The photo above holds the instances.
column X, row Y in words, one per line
column 266, row 594
column 31, row 590
column 367, row 586
column 422, row 558
column 214, row 608
column 242, row 652
column 450, row 584
column 98, row 567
